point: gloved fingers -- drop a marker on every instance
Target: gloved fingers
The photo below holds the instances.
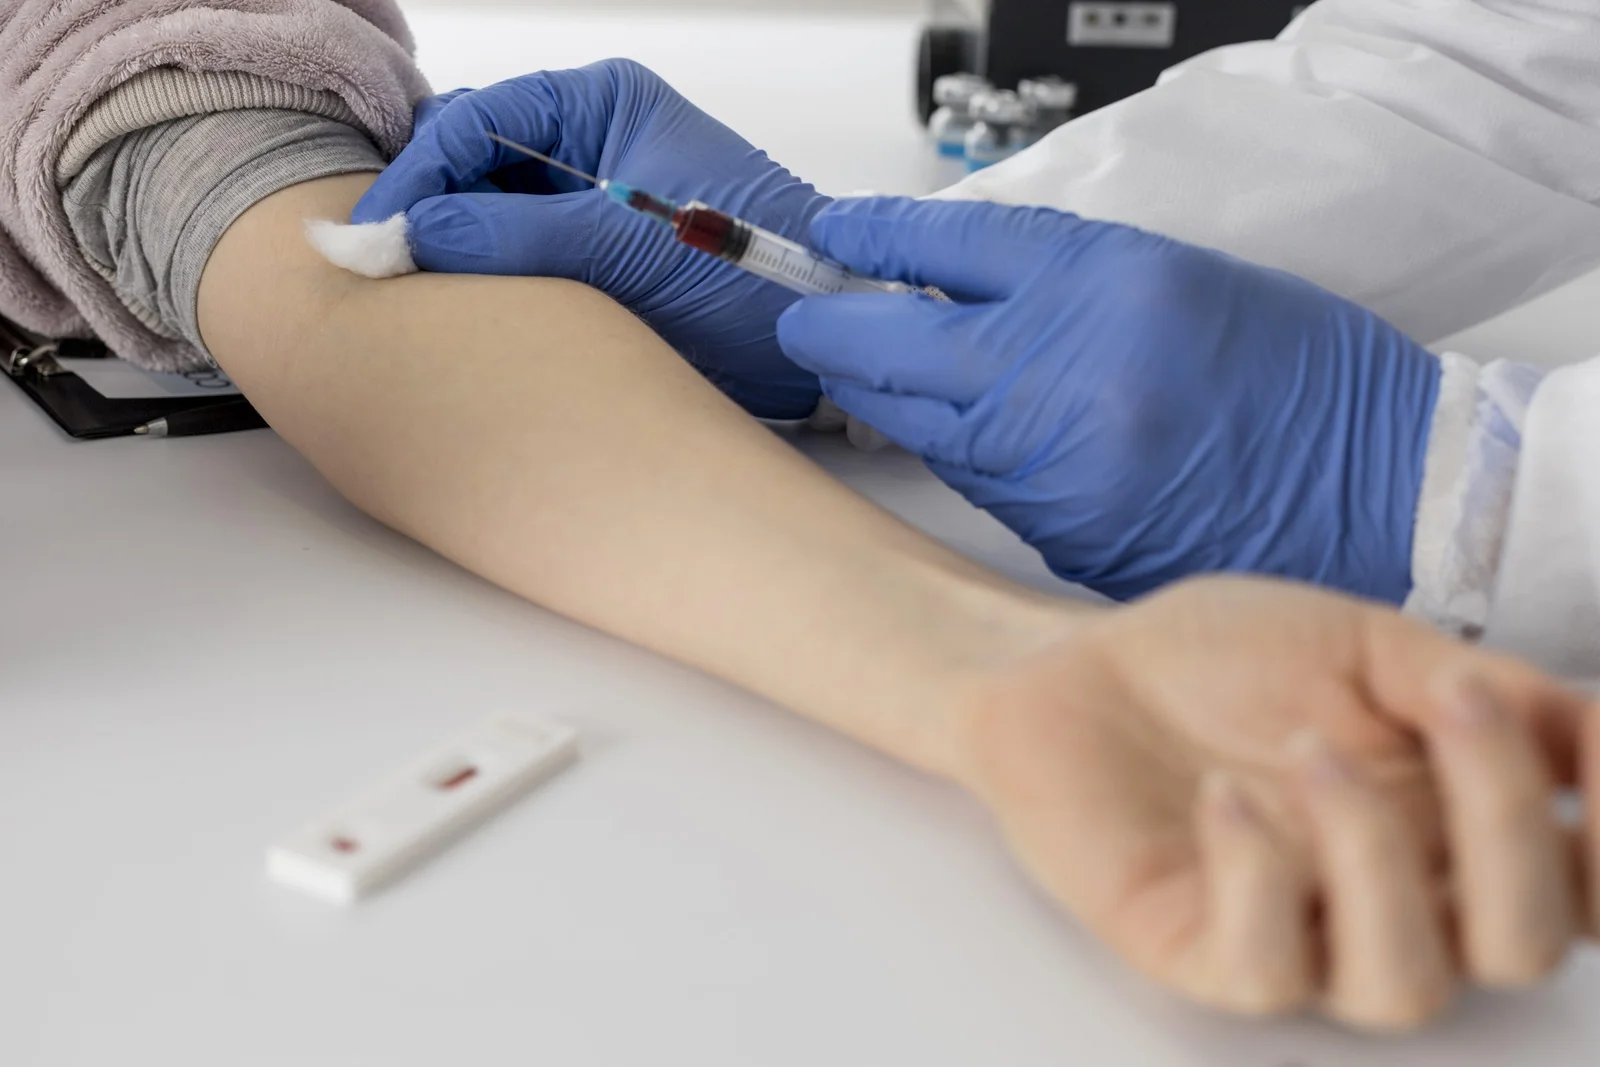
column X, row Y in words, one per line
column 504, row 233
column 429, row 109
column 900, row 344
column 916, row 423
column 973, row 251
column 597, row 111
column 564, row 114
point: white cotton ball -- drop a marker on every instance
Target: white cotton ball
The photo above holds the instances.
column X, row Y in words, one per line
column 372, row 249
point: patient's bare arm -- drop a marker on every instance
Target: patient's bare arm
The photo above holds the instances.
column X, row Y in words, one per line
column 600, row 476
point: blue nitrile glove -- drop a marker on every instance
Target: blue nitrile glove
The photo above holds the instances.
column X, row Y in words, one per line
column 614, row 119
column 1135, row 408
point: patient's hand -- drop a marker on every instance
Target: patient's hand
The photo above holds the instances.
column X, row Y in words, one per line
column 1263, row 796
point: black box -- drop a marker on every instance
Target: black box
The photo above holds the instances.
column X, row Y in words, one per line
column 1109, row 49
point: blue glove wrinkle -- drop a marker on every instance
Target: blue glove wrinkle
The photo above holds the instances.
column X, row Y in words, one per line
column 1137, row 409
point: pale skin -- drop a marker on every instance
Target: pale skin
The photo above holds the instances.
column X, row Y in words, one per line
column 1266, row 798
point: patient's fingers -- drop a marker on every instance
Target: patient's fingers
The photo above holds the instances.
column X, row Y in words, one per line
column 1260, row 959
column 1388, row 962
column 1405, row 664
column 1512, row 868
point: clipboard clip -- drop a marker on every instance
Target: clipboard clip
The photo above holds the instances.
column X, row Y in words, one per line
column 37, row 362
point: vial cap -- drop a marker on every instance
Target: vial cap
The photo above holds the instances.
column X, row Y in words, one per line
column 1052, row 93
column 957, row 90
column 1003, row 107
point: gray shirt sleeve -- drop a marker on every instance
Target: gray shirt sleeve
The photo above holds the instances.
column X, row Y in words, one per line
column 148, row 208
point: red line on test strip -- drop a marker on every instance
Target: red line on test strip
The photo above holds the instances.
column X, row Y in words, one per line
column 461, row 777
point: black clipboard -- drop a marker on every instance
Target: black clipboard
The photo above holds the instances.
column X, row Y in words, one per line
column 31, row 362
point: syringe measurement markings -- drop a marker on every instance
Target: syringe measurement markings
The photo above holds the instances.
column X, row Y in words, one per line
column 808, row 271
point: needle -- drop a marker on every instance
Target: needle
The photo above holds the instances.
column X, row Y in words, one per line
column 541, row 157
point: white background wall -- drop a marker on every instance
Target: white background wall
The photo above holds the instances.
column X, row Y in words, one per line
column 830, row 96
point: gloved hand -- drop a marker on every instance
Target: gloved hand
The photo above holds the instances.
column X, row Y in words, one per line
column 614, row 119
column 1135, row 408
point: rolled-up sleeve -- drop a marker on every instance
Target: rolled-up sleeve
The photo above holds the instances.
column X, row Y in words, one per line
column 148, row 207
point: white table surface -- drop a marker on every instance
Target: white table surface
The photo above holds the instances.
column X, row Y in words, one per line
column 201, row 646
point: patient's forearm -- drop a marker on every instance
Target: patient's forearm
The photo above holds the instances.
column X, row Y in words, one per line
column 539, row 435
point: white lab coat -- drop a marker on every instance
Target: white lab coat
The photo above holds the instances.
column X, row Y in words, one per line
column 1435, row 160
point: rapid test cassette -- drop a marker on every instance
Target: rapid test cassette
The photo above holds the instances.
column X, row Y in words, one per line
column 377, row 838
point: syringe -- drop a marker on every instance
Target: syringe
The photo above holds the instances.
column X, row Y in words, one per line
column 733, row 240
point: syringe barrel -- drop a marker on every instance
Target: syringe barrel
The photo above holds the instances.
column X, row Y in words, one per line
column 770, row 256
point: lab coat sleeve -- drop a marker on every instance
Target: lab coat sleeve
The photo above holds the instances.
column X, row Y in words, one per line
column 1435, row 160
column 1547, row 598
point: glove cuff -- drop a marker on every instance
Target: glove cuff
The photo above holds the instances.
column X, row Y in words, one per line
column 1463, row 510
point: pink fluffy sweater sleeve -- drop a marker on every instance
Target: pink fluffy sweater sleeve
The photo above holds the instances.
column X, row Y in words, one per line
column 58, row 58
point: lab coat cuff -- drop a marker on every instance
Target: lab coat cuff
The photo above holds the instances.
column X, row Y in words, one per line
column 1464, row 508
